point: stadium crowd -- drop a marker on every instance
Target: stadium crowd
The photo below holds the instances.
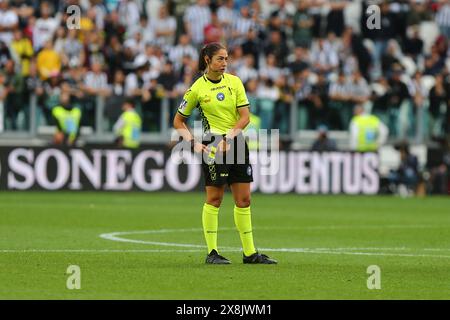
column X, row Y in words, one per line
column 312, row 52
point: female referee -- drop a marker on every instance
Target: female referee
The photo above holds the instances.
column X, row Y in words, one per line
column 224, row 108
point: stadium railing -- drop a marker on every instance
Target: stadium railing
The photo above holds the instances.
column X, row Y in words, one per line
column 38, row 131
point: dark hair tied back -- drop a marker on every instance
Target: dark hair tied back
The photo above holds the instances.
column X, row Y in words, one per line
column 209, row 50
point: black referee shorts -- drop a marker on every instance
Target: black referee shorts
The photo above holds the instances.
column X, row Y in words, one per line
column 236, row 168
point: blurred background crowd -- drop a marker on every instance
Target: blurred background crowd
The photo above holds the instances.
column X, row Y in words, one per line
column 316, row 55
column 121, row 67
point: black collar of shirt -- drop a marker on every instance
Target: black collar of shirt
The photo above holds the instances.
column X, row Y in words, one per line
column 213, row 81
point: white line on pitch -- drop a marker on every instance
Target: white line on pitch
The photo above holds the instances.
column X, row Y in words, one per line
column 95, row 250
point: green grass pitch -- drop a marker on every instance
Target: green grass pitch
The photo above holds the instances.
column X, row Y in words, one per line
column 324, row 245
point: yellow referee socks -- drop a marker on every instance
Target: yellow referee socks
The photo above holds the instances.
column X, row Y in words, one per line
column 243, row 221
column 210, row 219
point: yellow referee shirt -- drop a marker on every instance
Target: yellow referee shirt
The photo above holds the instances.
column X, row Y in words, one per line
column 217, row 102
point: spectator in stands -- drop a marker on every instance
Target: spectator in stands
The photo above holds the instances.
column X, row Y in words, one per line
column 135, row 84
column 303, row 88
column 414, row 45
column 74, row 75
column 182, row 49
column 45, row 26
column 14, row 88
column 237, row 60
column 114, row 55
column 213, row 32
column 114, row 27
column 151, row 109
column 24, row 10
column 335, row 17
column 299, row 61
column 129, row 14
column 443, row 19
column 58, row 41
column 439, row 173
column 242, row 23
column 98, row 13
column 324, row 57
column 114, row 102
column 5, row 54
column 417, row 13
column 382, row 35
column 95, row 81
column 95, row 84
column 48, row 61
column 283, row 104
column 51, row 97
column 188, row 66
column 302, row 26
column 390, row 57
column 434, row 63
column 359, row 50
column 439, row 105
column 405, row 179
column 418, row 93
column 128, row 127
column 168, row 80
column 22, row 49
column 359, row 92
column 278, row 48
column 32, row 86
column 3, row 94
column 318, row 112
column 9, row 21
column 164, row 28
column 67, row 119
column 226, row 15
column 271, row 70
column 151, row 8
column 388, row 107
column 93, row 49
column 135, row 43
column 267, row 94
column 196, row 18
column 323, row 143
column 367, row 132
column 339, row 102
column 278, row 25
column 247, row 71
column 252, row 45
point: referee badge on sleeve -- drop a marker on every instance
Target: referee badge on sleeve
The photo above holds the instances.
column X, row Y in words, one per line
column 249, row 170
column 182, row 106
